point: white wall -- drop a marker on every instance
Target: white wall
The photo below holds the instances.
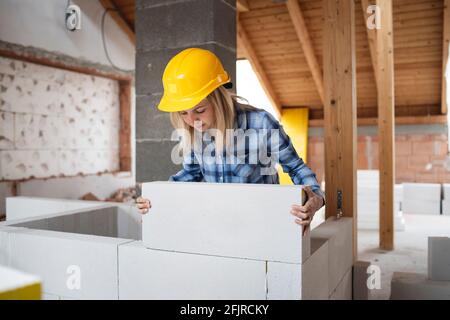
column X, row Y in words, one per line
column 41, row 24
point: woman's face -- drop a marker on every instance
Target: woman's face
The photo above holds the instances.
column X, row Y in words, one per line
column 200, row 117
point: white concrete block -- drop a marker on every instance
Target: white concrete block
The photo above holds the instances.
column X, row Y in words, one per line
column 422, row 191
column 28, row 207
column 417, row 206
column 315, row 282
column 446, row 191
column 22, row 164
column 339, row 233
column 439, row 258
column 233, row 220
column 61, row 259
column 34, row 131
column 47, row 296
column 284, row 281
column 129, row 222
column 414, row 286
column 446, row 207
column 99, row 221
column 154, row 274
column 7, row 130
column 398, row 193
column 307, row 281
column 344, row 289
column 360, row 276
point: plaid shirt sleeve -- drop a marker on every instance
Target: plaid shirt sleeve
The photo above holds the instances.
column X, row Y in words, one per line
column 191, row 171
column 284, row 152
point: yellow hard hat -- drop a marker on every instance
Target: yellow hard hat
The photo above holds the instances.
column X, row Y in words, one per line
column 189, row 77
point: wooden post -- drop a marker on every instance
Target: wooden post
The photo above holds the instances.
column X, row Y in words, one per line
column 340, row 110
column 385, row 65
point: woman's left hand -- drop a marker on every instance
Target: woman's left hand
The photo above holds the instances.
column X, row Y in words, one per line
column 306, row 212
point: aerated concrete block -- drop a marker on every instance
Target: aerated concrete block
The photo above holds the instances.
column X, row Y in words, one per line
column 46, row 296
column 439, row 258
column 233, row 220
column 28, row 207
column 446, row 207
column 344, row 289
column 422, row 191
column 360, row 277
column 417, row 206
column 414, row 286
column 155, row 274
column 446, row 191
column 315, row 281
column 339, row 233
column 64, row 260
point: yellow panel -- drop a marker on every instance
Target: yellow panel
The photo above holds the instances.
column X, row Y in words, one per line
column 30, row 292
column 295, row 123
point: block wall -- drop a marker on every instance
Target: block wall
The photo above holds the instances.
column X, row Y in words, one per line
column 55, row 122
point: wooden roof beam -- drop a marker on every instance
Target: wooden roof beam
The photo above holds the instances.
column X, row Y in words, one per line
column 302, row 33
column 372, row 39
column 250, row 54
column 118, row 17
column 445, row 52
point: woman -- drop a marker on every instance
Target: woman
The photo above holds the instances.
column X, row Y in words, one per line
column 195, row 94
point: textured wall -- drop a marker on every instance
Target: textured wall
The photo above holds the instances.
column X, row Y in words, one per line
column 55, row 122
column 419, row 156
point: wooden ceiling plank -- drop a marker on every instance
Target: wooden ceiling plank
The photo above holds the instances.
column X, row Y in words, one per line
column 296, row 15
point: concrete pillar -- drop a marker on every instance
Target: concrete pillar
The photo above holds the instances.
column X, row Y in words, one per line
column 164, row 28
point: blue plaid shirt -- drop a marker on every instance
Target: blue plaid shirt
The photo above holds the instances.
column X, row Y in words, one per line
column 200, row 167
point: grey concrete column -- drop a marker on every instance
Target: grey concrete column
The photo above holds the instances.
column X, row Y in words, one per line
column 164, row 28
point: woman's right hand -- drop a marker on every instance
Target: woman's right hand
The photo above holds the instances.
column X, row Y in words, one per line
column 143, row 205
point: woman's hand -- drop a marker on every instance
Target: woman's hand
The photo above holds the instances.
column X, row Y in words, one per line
column 306, row 212
column 143, row 205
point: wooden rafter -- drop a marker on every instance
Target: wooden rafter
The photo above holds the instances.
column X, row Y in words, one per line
column 386, row 128
column 119, row 18
column 372, row 39
column 250, row 54
column 242, row 5
column 445, row 52
column 302, row 33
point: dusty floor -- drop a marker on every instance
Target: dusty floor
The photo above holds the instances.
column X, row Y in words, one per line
column 410, row 253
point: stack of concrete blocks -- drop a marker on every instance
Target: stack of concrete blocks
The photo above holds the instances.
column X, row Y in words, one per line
column 75, row 253
column 422, row 198
column 369, row 201
column 254, row 251
column 414, row 286
column 446, row 199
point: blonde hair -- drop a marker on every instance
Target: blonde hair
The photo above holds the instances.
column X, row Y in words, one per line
column 224, row 104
